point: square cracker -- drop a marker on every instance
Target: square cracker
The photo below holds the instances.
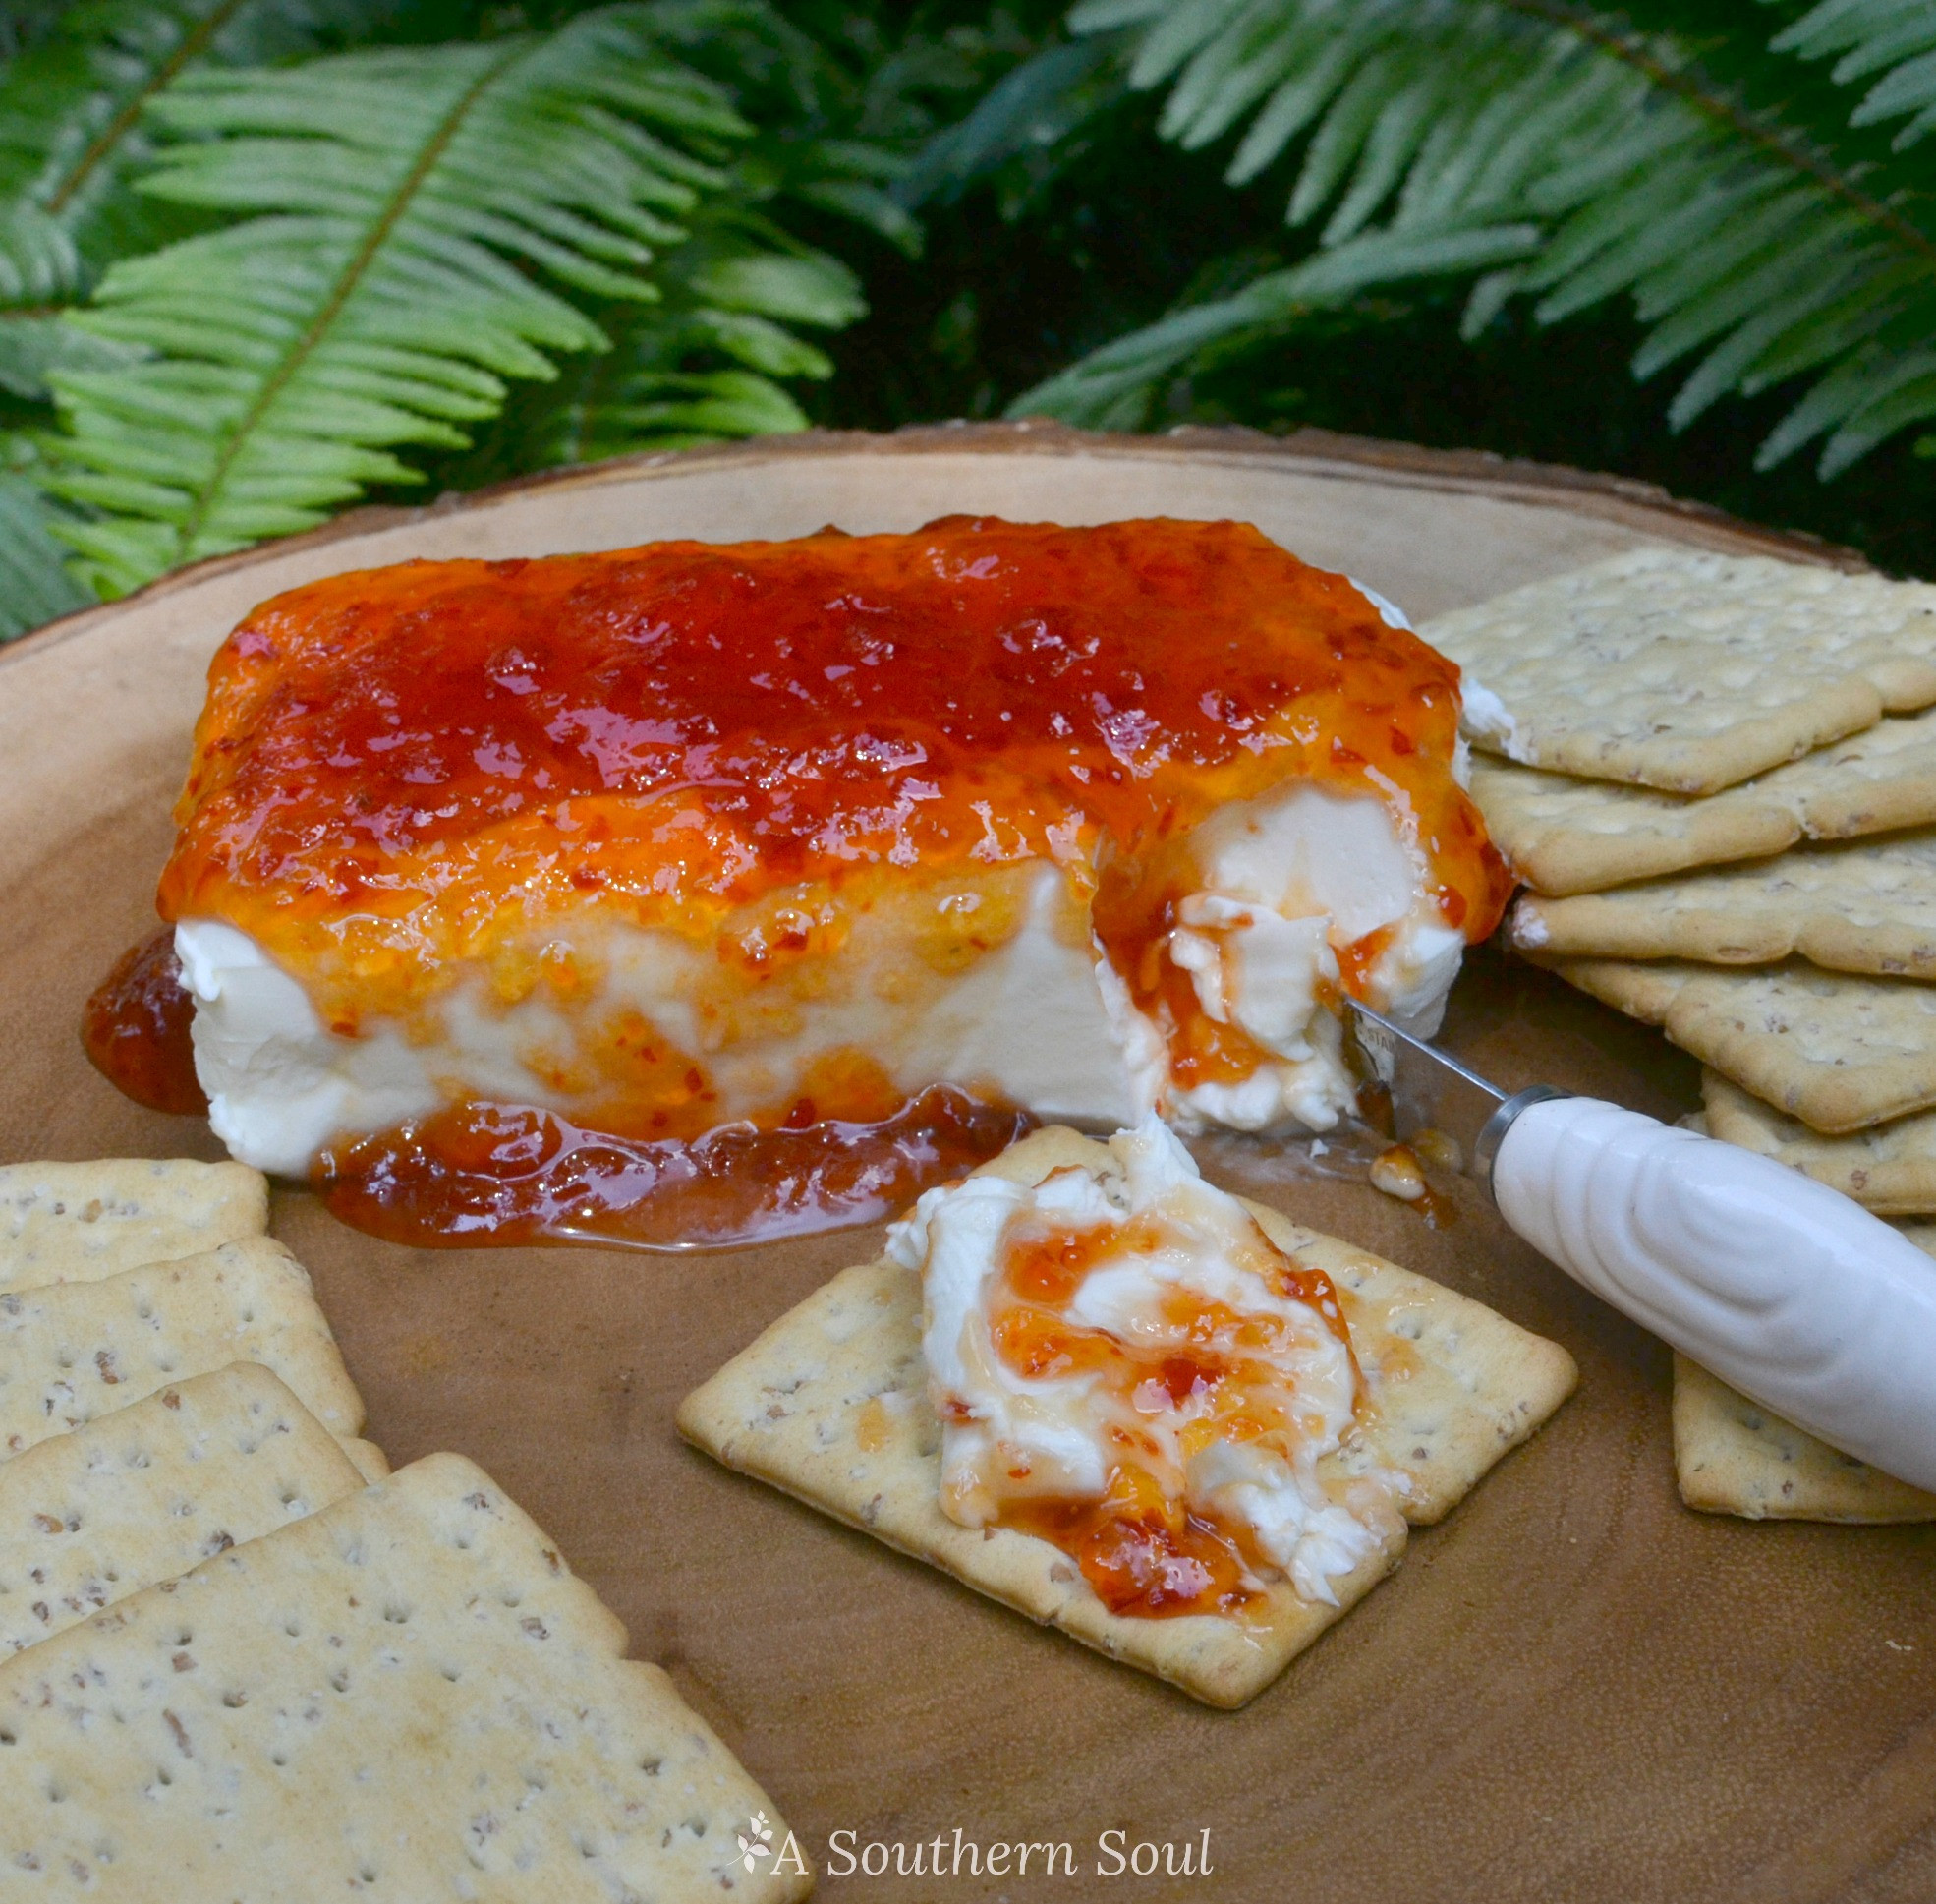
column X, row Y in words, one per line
column 150, row 1491
column 1732, row 1455
column 71, row 1351
column 1866, row 906
column 1562, row 835
column 407, row 1693
column 1837, row 1051
column 1682, row 669
column 831, row 1404
column 368, row 1459
column 71, row 1223
column 1889, row 1168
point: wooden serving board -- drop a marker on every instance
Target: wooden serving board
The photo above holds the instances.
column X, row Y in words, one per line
column 1574, row 1690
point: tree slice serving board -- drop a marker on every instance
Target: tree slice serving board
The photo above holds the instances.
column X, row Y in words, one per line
column 1572, row 1689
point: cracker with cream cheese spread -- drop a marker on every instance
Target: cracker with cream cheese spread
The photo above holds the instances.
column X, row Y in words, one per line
column 1687, row 670
column 1888, row 1168
column 1866, row 906
column 70, row 1223
column 407, row 1695
column 72, row 1351
column 1732, row 1455
column 831, row 1404
column 1564, row 834
column 150, row 1491
column 1836, row 1050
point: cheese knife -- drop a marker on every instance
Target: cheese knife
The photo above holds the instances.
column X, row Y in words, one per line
column 1782, row 1287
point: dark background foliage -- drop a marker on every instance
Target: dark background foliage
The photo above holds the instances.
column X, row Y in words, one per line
column 983, row 175
column 1051, row 256
column 1042, row 262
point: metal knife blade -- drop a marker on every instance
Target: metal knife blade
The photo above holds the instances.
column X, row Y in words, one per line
column 1426, row 1088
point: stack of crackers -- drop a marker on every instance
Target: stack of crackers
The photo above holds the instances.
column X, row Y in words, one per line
column 1718, row 775
column 240, row 1660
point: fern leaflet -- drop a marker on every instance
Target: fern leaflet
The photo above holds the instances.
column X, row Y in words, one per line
column 1890, row 44
column 382, row 292
column 1557, row 155
column 34, row 585
column 72, row 131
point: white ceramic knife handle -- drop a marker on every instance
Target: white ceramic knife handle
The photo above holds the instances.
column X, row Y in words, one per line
column 1777, row 1284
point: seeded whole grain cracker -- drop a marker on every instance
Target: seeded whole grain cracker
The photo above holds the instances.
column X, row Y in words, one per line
column 368, row 1459
column 1732, row 1455
column 407, row 1695
column 1889, row 1168
column 68, row 1222
column 1837, row 1051
column 147, row 1492
column 1562, row 835
column 72, row 1351
column 1866, row 906
column 1684, row 669
column 831, row 1404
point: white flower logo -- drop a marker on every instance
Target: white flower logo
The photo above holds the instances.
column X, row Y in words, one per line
column 759, row 1845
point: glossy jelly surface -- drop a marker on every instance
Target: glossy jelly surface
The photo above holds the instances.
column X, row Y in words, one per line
column 135, row 1029
column 507, row 1175
column 397, row 766
column 1143, row 1550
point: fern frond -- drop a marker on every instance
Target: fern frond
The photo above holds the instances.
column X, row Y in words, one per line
column 812, row 142
column 708, row 364
column 1569, row 160
column 1030, row 112
column 33, row 347
column 34, row 585
column 25, row 23
column 1891, row 43
column 73, row 132
column 386, row 289
column 1113, row 387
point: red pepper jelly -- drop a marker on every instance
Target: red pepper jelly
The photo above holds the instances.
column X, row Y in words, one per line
column 136, row 1029
column 508, row 1173
column 1086, row 1337
column 651, row 844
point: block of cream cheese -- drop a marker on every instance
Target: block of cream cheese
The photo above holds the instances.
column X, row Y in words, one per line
column 1093, row 822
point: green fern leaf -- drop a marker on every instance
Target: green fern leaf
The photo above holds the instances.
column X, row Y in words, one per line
column 1895, row 38
column 808, row 111
column 382, row 293
column 73, row 132
column 34, row 585
column 33, row 347
column 704, row 364
column 1111, row 387
column 1574, row 161
column 1036, row 109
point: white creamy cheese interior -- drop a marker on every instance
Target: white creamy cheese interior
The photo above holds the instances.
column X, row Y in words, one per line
column 1008, row 1436
column 1287, row 881
column 1025, row 1020
column 1039, row 1018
